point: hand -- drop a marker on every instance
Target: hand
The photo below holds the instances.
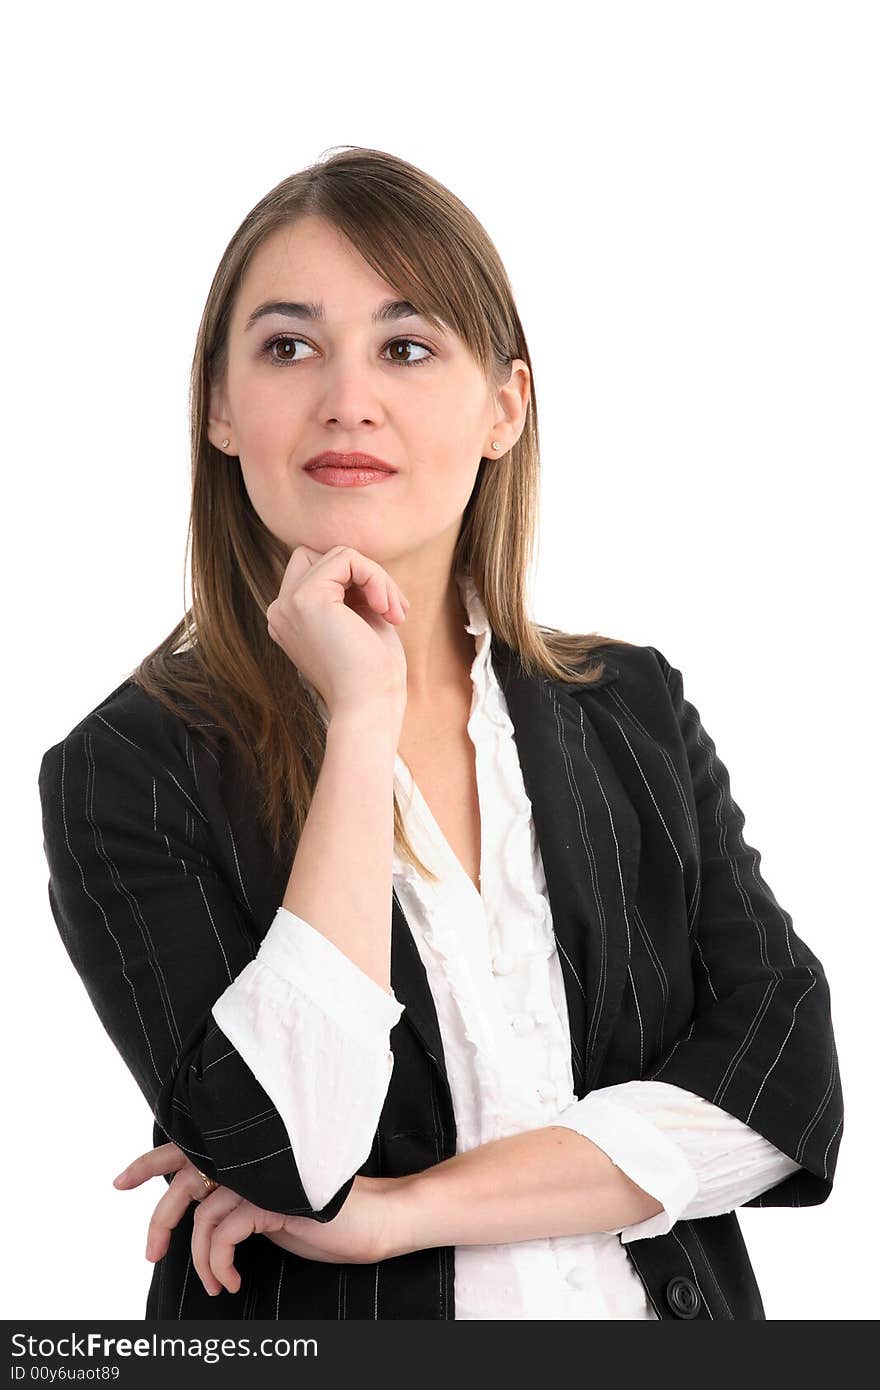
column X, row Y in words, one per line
column 186, row 1186
column 335, row 618
column 367, row 1228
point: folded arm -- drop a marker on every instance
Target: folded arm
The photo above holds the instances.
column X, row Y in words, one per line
column 159, row 939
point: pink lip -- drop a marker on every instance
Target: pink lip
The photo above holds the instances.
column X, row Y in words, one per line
column 355, row 459
column 349, row 477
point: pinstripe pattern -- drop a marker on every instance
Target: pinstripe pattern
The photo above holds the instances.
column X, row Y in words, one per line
column 678, row 964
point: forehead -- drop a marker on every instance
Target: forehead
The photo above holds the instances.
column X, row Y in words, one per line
column 310, row 272
column 312, row 260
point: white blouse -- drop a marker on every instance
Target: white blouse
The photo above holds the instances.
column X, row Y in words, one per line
column 494, row 974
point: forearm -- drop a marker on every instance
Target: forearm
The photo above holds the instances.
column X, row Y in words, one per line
column 341, row 878
column 544, row 1182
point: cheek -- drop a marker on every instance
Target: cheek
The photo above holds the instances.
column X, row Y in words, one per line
column 267, row 426
column 447, row 432
column 265, row 411
column 262, row 472
column 441, row 486
column 259, row 489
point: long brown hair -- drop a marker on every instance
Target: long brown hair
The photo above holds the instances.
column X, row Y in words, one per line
column 416, row 234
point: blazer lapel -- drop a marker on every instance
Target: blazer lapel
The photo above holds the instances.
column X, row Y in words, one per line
column 589, row 835
column 590, row 840
column 410, row 984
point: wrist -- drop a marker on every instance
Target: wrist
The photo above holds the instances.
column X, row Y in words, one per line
column 371, row 714
column 403, row 1207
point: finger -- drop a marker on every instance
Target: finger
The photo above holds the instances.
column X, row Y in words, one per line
column 185, row 1188
column 302, row 559
column 395, row 611
column 394, row 592
column 366, row 574
column 373, row 586
column 208, row 1216
column 234, row 1228
column 376, row 585
column 381, row 592
column 166, row 1158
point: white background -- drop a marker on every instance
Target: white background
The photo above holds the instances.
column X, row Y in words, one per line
column 685, row 196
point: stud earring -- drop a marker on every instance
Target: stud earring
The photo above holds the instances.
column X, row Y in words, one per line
column 495, row 444
column 225, row 443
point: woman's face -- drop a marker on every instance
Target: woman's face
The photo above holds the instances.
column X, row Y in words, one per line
column 297, row 385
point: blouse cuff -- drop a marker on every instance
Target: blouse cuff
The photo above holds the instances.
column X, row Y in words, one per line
column 308, row 959
column 314, row 1030
column 648, row 1156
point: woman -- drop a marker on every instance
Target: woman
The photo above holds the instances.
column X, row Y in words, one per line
column 429, row 934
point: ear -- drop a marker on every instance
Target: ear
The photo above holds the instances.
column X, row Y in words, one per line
column 219, row 425
column 513, row 399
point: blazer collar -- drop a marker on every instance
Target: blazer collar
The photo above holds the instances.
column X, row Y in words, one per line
column 590, row 839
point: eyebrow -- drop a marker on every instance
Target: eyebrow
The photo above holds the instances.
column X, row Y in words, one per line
column 390, row 310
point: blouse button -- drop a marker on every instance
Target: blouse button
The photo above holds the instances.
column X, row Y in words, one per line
column 543, row 1013
column 577, row 1277
column 523, row 1024
column 502, row 964
column 547, row 1090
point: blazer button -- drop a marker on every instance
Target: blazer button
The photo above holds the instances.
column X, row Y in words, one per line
column 683, row 1297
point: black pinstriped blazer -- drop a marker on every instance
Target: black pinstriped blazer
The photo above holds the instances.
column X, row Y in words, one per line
column 679, row 964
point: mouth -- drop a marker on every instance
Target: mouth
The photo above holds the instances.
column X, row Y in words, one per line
column 349, row 477
column 358, row 462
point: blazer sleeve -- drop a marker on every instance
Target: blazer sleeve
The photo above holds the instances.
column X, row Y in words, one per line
column 304, row 997
column 760, row 1043
column 696, row 1159
column 157, row 938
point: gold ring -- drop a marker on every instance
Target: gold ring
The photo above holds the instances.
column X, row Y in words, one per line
column 210, row 1184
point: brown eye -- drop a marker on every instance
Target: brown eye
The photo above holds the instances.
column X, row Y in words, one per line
column 409, row 343
column 287, row 347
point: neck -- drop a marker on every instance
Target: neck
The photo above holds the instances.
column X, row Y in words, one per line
column 439, row 649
